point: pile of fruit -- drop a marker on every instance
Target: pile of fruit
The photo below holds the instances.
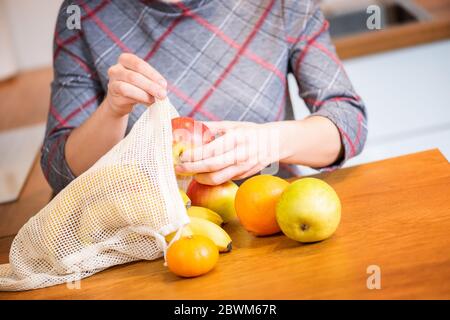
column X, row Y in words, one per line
column 307, row 210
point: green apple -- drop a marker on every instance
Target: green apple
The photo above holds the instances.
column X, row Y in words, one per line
column 309, row 210
column 218, row 198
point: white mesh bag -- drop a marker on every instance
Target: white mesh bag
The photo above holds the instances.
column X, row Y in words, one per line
column 116, row 212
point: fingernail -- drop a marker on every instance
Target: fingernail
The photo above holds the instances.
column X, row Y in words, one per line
column 162, row 82
column 162, row 94
column 184, row 157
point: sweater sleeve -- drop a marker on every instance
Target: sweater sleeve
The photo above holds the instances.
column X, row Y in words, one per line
column 75, row 94
column 322, row 80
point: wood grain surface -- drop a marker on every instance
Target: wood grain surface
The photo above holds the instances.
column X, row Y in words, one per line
column 396, row 215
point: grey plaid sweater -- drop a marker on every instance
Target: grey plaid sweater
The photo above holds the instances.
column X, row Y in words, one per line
column 224, row 60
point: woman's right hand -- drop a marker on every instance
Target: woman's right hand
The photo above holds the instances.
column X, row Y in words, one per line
column 132, row 81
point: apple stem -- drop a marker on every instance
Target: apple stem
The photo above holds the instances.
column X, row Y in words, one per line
column 304, row 227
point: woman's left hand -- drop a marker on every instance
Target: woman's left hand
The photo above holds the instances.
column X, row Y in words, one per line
column 241, row 150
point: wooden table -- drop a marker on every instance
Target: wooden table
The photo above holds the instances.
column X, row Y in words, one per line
column 396, row 215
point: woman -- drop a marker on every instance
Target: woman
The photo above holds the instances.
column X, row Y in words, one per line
column 216, row 60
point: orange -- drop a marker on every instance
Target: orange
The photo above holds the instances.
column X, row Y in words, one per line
column 256, row 201
column 192, row 256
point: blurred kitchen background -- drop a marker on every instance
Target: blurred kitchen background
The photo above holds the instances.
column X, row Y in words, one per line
column 402, row 72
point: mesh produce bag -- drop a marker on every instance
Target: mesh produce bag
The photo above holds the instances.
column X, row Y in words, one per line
column 116, row 212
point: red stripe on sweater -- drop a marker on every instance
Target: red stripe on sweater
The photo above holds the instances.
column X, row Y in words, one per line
column 52, row 153
column 320, row 47
column 191, row 102
column 328, row 53
column 235, row 59
column 166, row 33
column 102, row 5
column 308, row 45
column 318, row 103
column 358, row 134
column 55, row 114
column 119, row 43
column 63, row 44
column 214, row 29
column 209, row 115
column 265, row 64
column 104, row 28
column 80, row 62
column 352, row 146
column 63, row 121
column 181, row 94
column 171, row 87
column 113, row 37
column 83, row 64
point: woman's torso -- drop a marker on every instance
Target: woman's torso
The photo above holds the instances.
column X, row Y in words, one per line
column 223, row 60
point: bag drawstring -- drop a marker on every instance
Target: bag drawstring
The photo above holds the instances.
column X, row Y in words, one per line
column 163, row 244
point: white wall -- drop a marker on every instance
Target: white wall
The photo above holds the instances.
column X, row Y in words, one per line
column 408, row 97
column 29, row 25
column 8, row 65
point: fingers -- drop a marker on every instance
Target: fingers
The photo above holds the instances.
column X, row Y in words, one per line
column 130, row 92
column 120, row 73
column 218, row 146
column 235, row 133
column 134, row 63
column 233, row 157
column 133, row 70
column 235, row 172
column 239, row 153
column 132, row 81
column 219, row 177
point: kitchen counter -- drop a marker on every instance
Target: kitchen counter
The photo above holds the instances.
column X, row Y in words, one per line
column 396, row 216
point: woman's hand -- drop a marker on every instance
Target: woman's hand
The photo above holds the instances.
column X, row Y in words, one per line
column 242, row 149
column 132, row 81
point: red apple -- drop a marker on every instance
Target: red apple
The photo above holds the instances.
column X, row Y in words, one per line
column 218, row 198
column 187, row 134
